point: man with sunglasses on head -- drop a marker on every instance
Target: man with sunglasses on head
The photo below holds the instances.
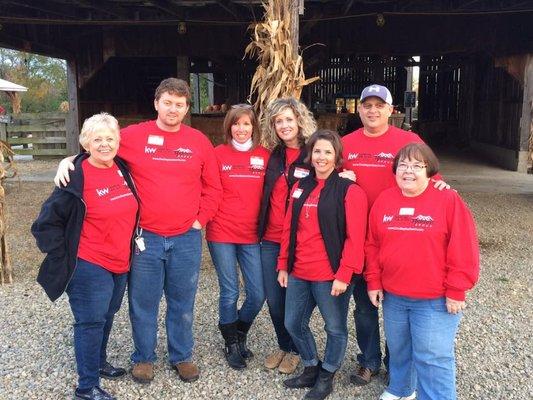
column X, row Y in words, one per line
column 176, row 175
column 369, row 152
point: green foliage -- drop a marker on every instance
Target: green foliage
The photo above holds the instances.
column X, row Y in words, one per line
column 45, row 78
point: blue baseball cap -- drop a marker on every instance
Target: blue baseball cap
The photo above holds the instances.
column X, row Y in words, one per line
column 377, row 91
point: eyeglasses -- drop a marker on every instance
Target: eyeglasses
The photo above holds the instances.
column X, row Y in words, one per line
column 242, row 105
column 414, row 167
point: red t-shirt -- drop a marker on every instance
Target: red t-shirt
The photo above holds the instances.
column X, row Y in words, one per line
column 371, row 158
column 109, row 220
column 242, row 175
column 278, row 198
column 422, row 247
column 311, row 261
column 176, row 175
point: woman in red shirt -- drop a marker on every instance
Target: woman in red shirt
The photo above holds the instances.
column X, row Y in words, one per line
column 87, row 228
column 321, row 249
column 288, row 124
column 422, row 256
column 232, row 233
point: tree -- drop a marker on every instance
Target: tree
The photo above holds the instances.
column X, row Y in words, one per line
column 45, row 78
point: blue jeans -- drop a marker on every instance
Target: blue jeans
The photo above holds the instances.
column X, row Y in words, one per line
column 95, row 295
column 302, row 298
column 366, row 327
column 275, row 295
column 169, row 264
column 420, row 334
column 225, row 257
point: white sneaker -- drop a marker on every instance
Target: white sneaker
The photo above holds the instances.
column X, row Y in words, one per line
column 388, row 396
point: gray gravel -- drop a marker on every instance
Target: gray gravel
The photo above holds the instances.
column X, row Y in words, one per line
column 494, row 347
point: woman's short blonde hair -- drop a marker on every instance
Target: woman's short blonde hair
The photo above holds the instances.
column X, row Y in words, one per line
column 97, row 123
column 304, row 118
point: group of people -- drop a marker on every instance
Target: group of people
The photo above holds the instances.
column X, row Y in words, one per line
column 309, row 218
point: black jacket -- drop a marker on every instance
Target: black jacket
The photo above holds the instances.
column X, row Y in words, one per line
column 57, row 229
column 276, row 168
column 331, row 216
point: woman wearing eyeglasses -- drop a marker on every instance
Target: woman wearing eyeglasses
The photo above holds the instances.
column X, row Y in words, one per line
column 422, row 256
column 232, row 234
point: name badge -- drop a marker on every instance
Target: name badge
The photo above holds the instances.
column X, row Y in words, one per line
column 407, row 211
column 297, row 193
column 300, row 172
column 156, row 140
column 256, row 161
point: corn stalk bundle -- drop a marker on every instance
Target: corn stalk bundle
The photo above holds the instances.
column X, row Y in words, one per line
column 280, row 71
column 6, row 164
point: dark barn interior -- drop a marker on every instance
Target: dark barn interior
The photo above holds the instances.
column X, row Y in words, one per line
column 474, row 58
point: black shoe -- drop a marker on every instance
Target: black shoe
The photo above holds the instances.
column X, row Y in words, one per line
column 323, row 386
column 96, row 393
column 234, row 357
column 107, row 371
column 306, row 380
column 231, row 349
column 242, row 336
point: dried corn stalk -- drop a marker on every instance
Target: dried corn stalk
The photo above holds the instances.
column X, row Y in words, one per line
column 280, row 71
column 6, row 163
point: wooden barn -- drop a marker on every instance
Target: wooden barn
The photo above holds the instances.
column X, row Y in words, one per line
column 474, row 59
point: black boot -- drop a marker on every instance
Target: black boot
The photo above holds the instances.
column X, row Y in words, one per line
column 231, row 350
column 242, row 336
column 306, row 380
column 323, row 386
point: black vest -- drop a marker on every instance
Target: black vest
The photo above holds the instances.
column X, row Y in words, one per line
column 331, row 216
column 275, row 169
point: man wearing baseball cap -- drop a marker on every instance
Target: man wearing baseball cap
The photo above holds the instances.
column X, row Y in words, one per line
column 369, row 152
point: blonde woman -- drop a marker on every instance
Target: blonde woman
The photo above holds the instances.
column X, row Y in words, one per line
column 86, row 228
column 286, row 127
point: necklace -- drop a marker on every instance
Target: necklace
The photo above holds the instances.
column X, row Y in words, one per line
column 312, row 201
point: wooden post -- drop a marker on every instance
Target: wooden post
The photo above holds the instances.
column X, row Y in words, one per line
column 183, row 72
column 526, row 120
column 295, row 29
column 72, row 127
column 3, row 132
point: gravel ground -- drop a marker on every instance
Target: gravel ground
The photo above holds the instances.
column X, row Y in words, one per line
column 494, row 347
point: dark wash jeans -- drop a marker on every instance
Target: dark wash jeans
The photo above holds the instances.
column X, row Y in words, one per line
column 275, row 294
column 302, row 298
column 95, row 295
column 366, row 319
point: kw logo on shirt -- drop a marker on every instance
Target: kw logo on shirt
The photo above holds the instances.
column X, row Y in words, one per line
column 352, row 156
column 408, row 222
column 168, row 154
column 106, row 191
column 379, row 160
column 242, row 170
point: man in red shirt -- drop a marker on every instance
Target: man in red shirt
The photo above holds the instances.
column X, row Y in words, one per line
column 369, row 152
column 176, row 174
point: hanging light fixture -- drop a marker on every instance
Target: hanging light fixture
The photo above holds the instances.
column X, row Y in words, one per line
column 380, row 20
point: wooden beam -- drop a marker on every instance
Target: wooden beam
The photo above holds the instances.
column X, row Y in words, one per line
column 226, row 5
column 72, row 123
column 169, row 7
column 103, row 7
column 44, row 7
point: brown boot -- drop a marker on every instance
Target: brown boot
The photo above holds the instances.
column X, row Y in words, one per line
column 274, row 359
column 289, row 363
column 143, row 372
column 187, row 371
